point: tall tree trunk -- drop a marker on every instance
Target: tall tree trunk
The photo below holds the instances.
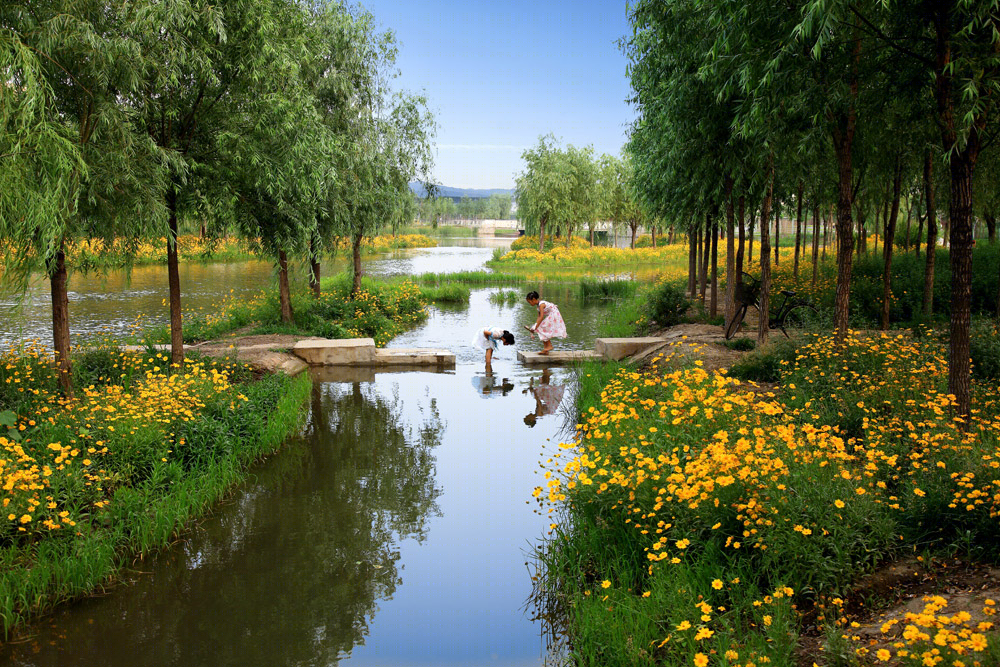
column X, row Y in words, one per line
column 174, row 282
column 963, row 165
column 826, row 230
column 652, row 233
column 890, row 233
column 742, row 245
column 845, row 226
column 931, row 235
column 909, row 213
column 815, row 239
column 798, row 234
column 777, row 230
column 60, row 319
column 591, row 237
column 284, row 291
column 991, row 226
column 697, row 270
column 730, row 251
column 635, row 228
column 753, row 222
column 314, row 269
column 692, row 262
column 959, row 222
column 541, row 233
column 706, row 251
column 356, row 255
column 713, row 309
column 843, row 143
column 920, row 231
column 765, row 259
column 670, row 238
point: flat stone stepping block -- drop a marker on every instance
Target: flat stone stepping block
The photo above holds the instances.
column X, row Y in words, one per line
column 413, row 356
column 343, row 352
column 616, row 349
column 558, row 356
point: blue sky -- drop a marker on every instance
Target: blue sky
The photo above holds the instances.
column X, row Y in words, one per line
column 498, row 75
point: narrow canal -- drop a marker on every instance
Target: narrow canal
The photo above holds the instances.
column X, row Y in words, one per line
column 394, row 530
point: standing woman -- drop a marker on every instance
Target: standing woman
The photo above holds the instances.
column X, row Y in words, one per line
column 549, row 324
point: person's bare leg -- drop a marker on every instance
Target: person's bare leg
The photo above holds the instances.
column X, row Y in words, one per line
column 547, row 347
column 489, row 357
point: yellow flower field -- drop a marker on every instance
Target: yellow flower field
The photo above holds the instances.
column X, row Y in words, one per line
column 857, row 458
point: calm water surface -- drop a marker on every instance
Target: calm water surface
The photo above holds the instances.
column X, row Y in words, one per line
column 394, row 530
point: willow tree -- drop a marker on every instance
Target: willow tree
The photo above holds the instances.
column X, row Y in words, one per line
column 71, row 165
column 544, row 190
column 232, row 63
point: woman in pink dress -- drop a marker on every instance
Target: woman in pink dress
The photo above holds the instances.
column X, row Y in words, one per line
column 549, row 324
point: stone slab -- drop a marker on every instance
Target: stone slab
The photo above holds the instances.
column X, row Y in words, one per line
column 409, row 356
column 343, row 352
column 616, row 349
column 558, row 357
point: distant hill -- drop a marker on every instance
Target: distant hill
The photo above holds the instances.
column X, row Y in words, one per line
column 457, row 193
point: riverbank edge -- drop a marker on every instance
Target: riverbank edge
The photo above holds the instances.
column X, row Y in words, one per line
column 65, row 570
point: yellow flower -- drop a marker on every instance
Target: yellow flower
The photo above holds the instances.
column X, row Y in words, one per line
column 700, row 660
column 839, row 504
column 883, row 655
column 605, row 584
column 717, row 584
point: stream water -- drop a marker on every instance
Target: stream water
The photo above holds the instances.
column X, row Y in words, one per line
column 393, row 530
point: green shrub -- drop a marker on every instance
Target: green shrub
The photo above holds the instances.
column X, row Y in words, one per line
column 667, row 303
column 767, row 363
column 740, row 344
column 985, row 350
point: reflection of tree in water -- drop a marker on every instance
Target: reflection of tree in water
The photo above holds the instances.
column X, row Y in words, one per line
column 290, row 571
column 379, row 488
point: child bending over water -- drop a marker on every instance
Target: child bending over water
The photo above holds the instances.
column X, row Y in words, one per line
column 549, row 324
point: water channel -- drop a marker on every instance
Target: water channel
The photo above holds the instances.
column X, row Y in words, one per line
column 393, row 530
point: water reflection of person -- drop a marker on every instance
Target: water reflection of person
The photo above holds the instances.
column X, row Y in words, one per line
column 547, row 397
column 487, row 385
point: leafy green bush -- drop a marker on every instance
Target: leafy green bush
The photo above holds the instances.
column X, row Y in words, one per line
column 985, row 350
column 740, row 344
column 667, row 303
column 767, row 363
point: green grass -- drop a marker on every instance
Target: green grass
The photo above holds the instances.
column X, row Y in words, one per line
column 473, row 278
column 606, row 288
column 626, row 319
column 505, row 298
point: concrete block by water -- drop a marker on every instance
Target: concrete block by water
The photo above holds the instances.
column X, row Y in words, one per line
column 616, row 349
column 346, row 352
